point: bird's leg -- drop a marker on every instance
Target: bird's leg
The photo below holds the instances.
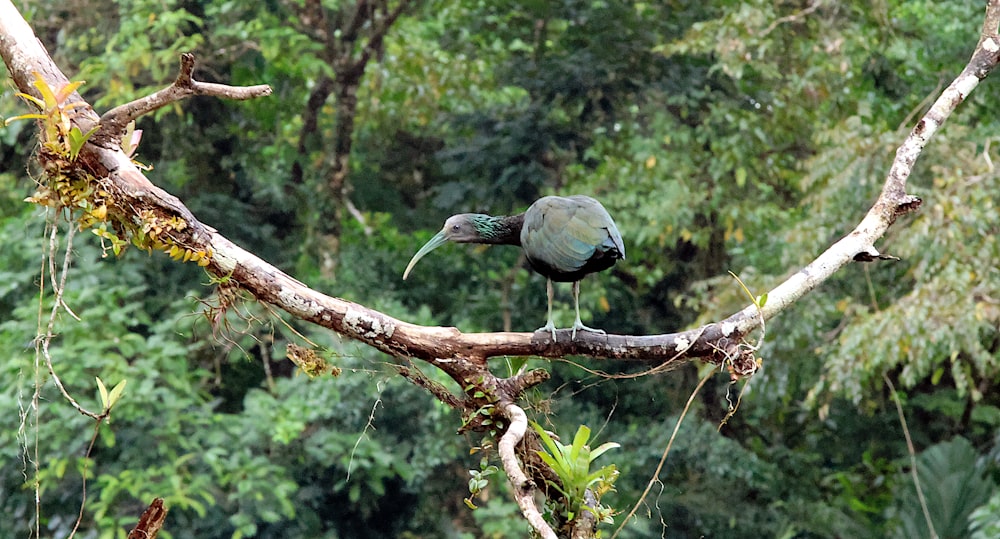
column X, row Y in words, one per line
column 549, row 324
column 578, row 324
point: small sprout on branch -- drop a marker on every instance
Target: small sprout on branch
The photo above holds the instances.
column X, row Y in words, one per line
column 759, row 301
column 117, row 244
column 59, row 136
column 482, row 419
column 161, row 234
column 109, row 399
column 76, row 141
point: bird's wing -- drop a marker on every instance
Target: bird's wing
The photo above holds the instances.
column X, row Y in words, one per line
column 565, row 232
column 598, row 218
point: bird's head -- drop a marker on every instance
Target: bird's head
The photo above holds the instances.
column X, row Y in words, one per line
column 462, row 228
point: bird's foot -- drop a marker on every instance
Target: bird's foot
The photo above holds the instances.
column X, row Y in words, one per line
column 578, row 325
column 549, row 326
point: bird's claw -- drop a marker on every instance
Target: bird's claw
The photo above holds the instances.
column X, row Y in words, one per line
column 549, row 326
column 578, row 325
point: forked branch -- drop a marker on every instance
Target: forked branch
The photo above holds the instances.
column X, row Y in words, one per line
column 717, row 342
column 464, row 356
column 114, row 121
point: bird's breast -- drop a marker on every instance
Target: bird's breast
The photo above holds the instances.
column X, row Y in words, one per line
column 564, row 273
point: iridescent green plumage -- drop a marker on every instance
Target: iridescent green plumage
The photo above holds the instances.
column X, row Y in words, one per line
column 564, row 239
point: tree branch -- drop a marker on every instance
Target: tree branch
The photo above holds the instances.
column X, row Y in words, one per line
column 798, row 15
column 374, row 45
column 114, row 121
column 893, row 201
column 419, row 379
column 134, row 200
column 717, row 342
column 524, row 489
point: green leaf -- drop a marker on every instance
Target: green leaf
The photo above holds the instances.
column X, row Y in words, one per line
column 63, row 94
column 579, row 442
column 548, row 459
column 48, row 97
column 9, row 121
column 108, row 435
column 741, row 176
column 104, row 393
column 514, row 365
column 603, row 448
column 116, row 393
column 77, row 139
column 546, row 439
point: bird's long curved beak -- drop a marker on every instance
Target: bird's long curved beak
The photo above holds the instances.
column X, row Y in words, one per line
column 431, row 244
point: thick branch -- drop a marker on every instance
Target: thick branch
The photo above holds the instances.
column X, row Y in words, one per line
column 524, row 489
column 360, row 15
column 718, row 342
column 464, row 356
column 893, row 201
column 114, row 121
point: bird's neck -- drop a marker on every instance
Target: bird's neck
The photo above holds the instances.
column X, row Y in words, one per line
column 500, row 230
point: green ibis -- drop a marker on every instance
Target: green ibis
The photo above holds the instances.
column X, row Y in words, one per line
column 564, row 239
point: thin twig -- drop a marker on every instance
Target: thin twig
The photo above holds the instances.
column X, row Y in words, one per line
column 358, row 216
column 267, row 307
column 986, row 154
column 265, row 356
column 46, row 339
column 415, row 376
column 663, row 459
column 663, row 367
column 792, row 18
column 36, row 397
column 86, row 465
column 922, row 106
column 53, row 274
column 732, row 407
column 370, row 424
column 913, row 457
column 375, row 40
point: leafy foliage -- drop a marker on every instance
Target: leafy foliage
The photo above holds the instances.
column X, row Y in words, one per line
column 572, row 464
column 721, row 136
column 953, row 485
column 983, row 521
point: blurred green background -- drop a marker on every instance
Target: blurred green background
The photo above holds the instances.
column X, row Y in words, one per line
column 722, row 136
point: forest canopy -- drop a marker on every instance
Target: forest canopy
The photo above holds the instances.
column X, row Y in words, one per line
column 722, row 137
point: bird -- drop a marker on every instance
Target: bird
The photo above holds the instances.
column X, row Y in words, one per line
column 563, row 238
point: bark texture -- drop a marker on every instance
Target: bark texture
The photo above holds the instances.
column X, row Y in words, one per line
column 134, row 201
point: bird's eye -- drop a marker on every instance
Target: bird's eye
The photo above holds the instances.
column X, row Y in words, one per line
column 456, row 228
